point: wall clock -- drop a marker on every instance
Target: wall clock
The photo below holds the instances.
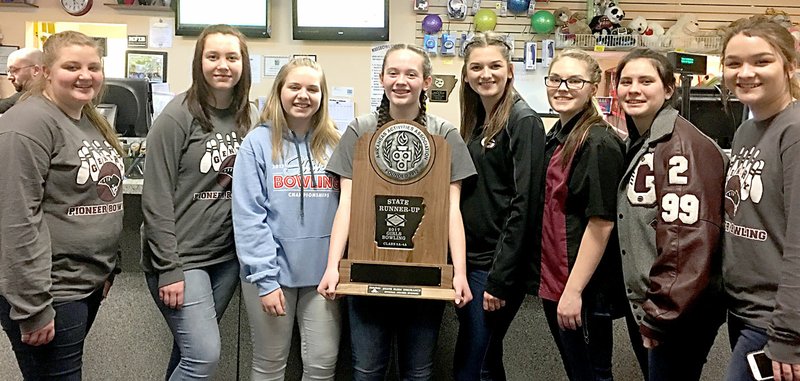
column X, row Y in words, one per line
column 76, row 7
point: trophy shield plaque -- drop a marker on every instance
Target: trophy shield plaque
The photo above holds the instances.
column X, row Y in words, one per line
column 399, row 215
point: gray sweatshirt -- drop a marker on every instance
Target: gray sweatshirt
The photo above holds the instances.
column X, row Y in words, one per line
column 761, row 262
column 60, row 210
column 186, row 197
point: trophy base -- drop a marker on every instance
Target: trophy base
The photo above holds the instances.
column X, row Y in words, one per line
column 397, row 280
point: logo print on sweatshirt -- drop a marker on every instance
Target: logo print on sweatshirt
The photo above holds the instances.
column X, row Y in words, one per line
column 102, row 164
column 218, row 148
column 744, row 180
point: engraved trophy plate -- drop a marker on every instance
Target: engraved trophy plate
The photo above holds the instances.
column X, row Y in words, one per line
column 399, row 216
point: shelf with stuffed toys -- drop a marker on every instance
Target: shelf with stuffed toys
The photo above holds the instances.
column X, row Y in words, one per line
column 444, row 26
column 604, row 31
column 704, row 44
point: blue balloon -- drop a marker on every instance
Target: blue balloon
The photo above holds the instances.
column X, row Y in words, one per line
column 518, row 6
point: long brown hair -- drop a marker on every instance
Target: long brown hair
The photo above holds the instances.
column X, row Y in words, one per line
column 590, row 117
column 323, row 130
column 198, row 94
column 776, row 36
column 427, row 70
column 50, row 53
column 471, row 105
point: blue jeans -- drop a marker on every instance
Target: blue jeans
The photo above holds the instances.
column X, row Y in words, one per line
column 744, row 339
column 585, row 352
column 682, row 355
column 195, row 327
column 479, row 346
column 373, row 323
column 61, row 358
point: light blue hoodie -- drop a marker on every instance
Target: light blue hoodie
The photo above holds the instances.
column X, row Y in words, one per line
column 282, row 224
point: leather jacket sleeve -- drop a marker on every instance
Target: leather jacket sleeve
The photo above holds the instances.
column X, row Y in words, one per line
column 689, row 181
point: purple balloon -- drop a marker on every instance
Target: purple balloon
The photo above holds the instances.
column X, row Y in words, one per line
column 432, row 24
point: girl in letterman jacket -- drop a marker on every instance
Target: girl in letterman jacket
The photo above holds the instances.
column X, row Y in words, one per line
column 669, row 217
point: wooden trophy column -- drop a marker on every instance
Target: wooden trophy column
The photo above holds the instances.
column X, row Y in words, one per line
column 399, row 216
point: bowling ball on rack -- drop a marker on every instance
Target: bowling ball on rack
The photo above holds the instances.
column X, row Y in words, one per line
column 518, row 6
column 485, row 20
column 432, row 24
column 543, row 22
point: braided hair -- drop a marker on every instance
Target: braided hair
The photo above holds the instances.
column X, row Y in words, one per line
column 427, row 69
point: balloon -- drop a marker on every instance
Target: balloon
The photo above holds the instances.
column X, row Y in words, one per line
column 485, row 20
column 543, row 22
column 432, row 24
column 518, row 6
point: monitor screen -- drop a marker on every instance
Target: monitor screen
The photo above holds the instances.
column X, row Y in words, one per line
column 708, row 114
column 134, row 100
column 251, row 17
column 353, row 20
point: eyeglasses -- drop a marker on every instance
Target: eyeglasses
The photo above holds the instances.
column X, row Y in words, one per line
column 15, row 70
column 572, row 83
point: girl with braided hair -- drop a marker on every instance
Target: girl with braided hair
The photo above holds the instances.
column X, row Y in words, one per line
column 501, row 205
column 405, row 76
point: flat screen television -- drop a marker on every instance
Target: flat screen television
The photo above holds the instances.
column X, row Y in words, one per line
column 251, row 17
column 350, row 20
column 134, row 100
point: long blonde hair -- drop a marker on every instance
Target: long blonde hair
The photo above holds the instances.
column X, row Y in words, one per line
column 323, row 130
column 50, row 54
column 471, row 105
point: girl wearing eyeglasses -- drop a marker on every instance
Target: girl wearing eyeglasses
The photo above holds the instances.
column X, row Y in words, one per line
column 500, row 206
column 580, row 282
column 669, row 216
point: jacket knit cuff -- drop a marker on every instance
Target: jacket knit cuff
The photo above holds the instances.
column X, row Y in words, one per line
column 37, row 321
column 497, row 290
column 170, row 277
column 787, row 353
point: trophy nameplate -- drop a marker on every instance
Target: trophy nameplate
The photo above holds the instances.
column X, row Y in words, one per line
column 399, row 215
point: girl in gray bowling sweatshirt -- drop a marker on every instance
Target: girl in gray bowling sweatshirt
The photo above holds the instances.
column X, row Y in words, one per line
column 187, row 237
column 761, row 261
column 60, row 211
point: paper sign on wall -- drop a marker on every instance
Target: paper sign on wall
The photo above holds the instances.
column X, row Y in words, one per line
column 273, row 64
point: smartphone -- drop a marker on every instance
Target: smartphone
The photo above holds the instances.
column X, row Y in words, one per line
column 760, row 365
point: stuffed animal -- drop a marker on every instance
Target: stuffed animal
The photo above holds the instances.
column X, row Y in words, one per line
column 562, row 19
column 651, row 32
column 577, row 23
column 681, row 34
column 603, row 25
column 608, row 21
column 780, row 17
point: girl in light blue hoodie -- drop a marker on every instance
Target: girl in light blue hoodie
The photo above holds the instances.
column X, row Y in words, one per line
column 283, row 208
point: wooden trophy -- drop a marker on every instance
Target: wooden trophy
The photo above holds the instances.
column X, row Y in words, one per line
column 399, row 215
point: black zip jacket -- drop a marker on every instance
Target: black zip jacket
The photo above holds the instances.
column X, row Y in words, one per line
column 501, row 207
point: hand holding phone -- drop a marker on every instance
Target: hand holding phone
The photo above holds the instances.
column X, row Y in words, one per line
column 760, row 365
